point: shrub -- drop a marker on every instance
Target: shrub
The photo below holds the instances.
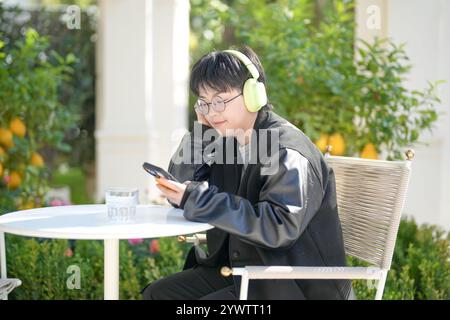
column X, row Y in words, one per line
column 78, row 93
column 339, row 90
column 420, row 266
column 42, row 265
column 31, row 118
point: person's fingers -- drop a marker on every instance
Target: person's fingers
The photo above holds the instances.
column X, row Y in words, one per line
column 163, row 188
column 160, row 187
column 176, row 186
column 165, row 182
column 167, row 197
column 166, row 193
column 187, row 182
column 172, row 190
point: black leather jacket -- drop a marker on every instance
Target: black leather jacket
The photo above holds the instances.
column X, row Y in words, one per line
column 288, row 217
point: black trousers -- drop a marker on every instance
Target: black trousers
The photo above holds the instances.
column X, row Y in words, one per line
column 197, row 283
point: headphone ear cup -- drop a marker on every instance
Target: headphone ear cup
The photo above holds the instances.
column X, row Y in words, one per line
column 262, row 95
column 255, row 96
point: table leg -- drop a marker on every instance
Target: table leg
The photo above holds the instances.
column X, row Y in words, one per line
column 111, row 281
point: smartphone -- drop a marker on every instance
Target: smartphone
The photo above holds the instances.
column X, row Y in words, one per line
column 159, row 173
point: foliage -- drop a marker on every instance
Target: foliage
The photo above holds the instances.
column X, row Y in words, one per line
column 319, row 77
column 75, row 180
column 32, row 117
column 78, row 92
column 420, row 267
column 42, row 265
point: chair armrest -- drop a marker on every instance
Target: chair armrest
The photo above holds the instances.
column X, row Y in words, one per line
column 7, row 285
column 286, row 272
column 196, row 239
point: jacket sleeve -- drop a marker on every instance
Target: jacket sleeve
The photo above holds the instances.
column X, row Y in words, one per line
column 289, row 197
column 188, row 162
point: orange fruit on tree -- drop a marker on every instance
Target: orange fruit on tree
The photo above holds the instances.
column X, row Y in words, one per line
column 2, row 155
column 369, row 152
column 6, row 138
column 337, row 143
column 37, row 160
column 1, row 169
column 27, row 205
column 14, row 180
column 322, row 142
column 193, row 41
column 18, row 127
column 300, row 80
column 22, row 168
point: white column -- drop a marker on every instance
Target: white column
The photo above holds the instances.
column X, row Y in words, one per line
column 142, row 68
column 171, row 73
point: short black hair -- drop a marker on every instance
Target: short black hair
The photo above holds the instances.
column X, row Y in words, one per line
column 222, row 71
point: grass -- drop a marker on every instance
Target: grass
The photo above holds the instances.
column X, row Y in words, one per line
column 75, row 179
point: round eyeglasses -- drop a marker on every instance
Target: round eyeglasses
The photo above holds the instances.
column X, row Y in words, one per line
column 217, row 103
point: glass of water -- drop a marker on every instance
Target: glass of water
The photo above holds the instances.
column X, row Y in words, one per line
column 121, row 203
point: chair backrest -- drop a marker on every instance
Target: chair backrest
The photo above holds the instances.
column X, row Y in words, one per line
column 370, row 195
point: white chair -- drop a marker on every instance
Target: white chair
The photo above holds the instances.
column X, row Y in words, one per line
column 6, row 285
column 370, row 196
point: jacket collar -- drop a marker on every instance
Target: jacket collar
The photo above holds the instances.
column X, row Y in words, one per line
column 261, row 118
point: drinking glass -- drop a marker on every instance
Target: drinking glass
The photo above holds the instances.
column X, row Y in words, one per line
column 121, row 203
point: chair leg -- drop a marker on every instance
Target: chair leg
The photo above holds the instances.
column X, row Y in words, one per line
column 2, row 256
column 380, row 286
column 3, row 262
column 244, row 286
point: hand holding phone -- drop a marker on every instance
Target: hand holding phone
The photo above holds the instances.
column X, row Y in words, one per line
column 161, row 175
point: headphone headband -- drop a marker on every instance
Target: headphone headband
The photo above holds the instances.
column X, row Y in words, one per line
column 246, row 61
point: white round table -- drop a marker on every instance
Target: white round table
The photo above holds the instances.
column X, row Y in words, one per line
column 91, row 222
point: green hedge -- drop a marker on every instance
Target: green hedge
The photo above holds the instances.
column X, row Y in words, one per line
column 42, row 265
column 420, row 268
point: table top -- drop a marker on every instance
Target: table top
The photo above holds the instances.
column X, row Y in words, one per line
column 92, row 222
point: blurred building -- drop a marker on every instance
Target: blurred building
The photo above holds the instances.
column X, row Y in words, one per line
column 425, row 28
column 142, row 92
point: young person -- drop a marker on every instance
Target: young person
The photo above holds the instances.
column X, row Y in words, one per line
column 272, row 202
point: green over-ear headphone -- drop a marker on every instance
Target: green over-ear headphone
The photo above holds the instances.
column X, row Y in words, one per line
column 254, row 91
